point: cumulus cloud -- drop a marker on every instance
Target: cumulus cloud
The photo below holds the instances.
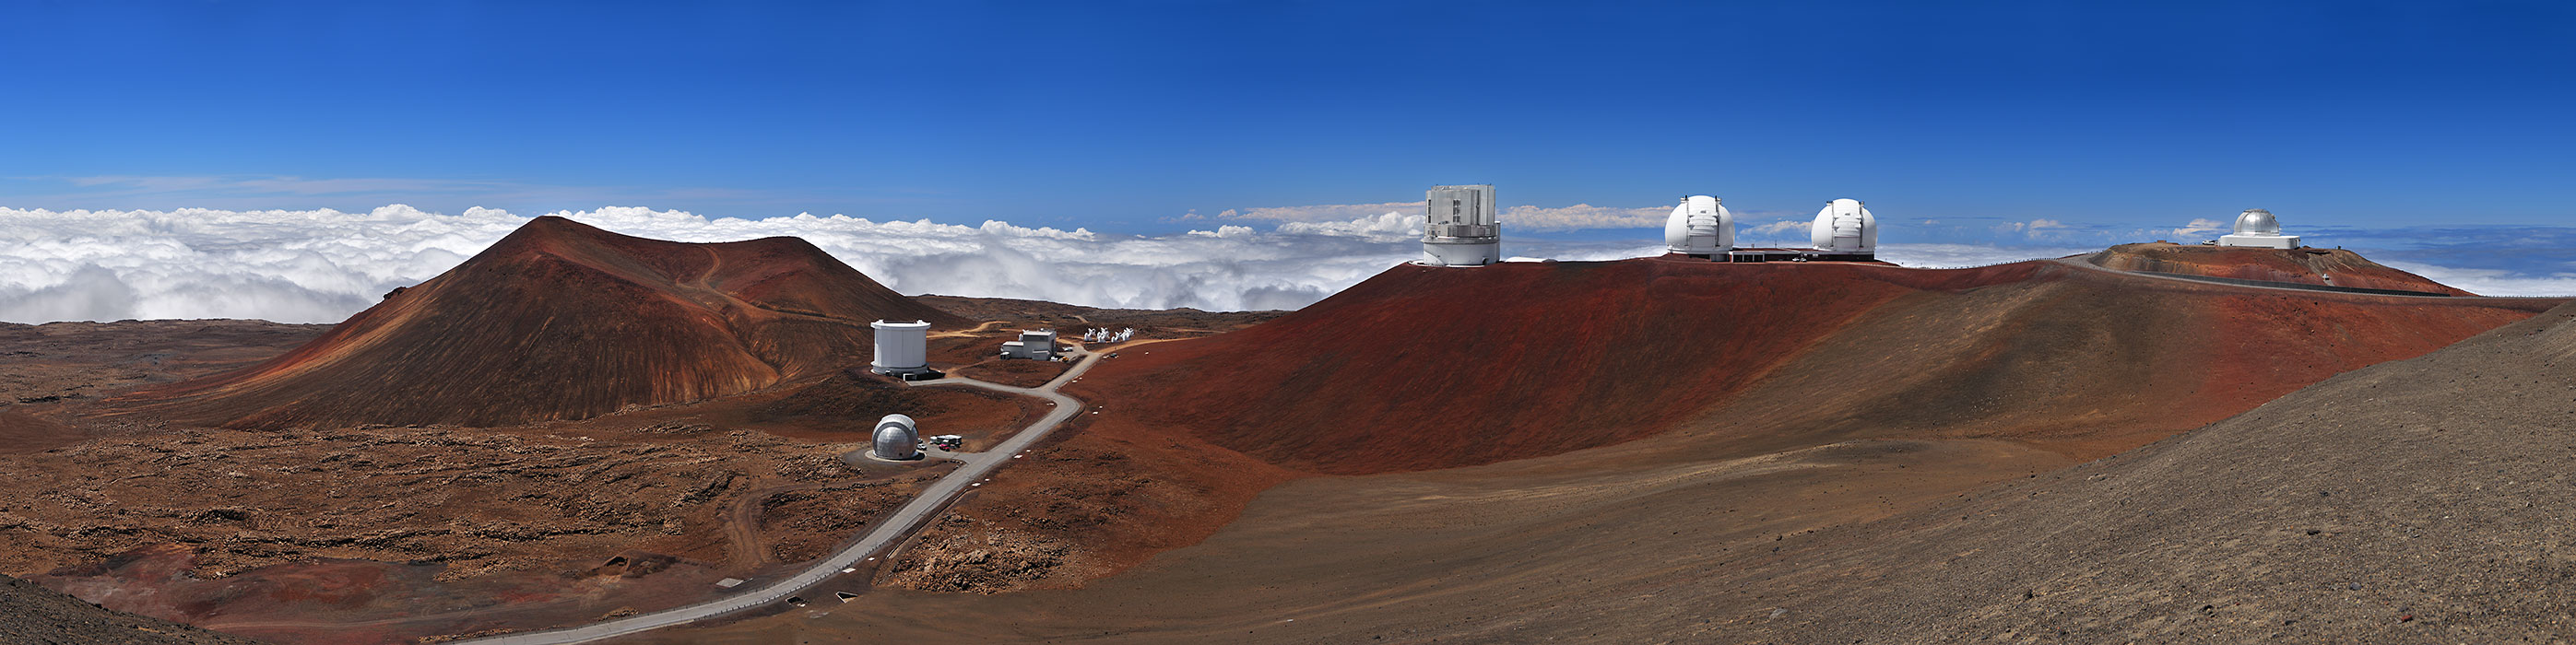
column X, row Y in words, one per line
column 323, row 265
column 1319, row 213
column 1388, row 227
column 298, row 266
column 1952, row 256
column 319, row 266
column 1582, row 216
column 1525, row 218
column 2494, row 282
column 2037, row 229
column 2202, row 228
column 1783, row 229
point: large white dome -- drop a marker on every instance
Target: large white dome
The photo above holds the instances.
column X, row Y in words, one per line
column 1700, row 226
column 1844, row 227
column 2257, row 222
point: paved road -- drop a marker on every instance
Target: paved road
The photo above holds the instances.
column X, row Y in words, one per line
column 886, row 533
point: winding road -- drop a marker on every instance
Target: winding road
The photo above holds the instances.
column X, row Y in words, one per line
column 892, row 530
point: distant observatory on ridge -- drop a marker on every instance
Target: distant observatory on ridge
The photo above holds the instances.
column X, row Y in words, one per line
column 2256, row 228
column 1459, row 227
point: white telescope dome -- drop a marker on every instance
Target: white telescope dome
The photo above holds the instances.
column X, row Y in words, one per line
column 1844, row 227
column 2257, row 221
column 1700, row 226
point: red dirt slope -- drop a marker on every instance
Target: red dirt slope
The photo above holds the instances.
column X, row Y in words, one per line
column 563, row 321
column 1426, row 368
column 2305, row 265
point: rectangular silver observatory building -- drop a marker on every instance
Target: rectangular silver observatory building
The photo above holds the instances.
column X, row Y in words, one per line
column 1460, row 228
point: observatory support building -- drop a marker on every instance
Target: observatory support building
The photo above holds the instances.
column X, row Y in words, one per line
column 902, row 349
column 2257, row 228
column 1460, row 228
column 1700, row 227
column 1034, row 345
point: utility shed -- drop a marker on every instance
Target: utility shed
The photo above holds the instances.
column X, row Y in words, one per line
column 1034, row 345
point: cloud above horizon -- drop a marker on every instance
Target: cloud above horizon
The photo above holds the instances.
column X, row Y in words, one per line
column 323, row 265
column 320, row 266
column 1523, row 217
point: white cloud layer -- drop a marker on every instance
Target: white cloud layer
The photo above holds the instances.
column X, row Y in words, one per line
column 323, row 265
column 2493, row 282
column 320, row 266
column 1524, row 217
column 1958, row 256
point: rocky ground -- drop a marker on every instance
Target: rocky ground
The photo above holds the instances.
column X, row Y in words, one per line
column 476, row 501
column 494, row 527
column 40, row 616
column 82, row 360
column 2421, row 501
column 1016, row 373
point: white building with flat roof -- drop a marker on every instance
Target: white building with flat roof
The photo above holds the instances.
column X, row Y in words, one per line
column 1035, row 345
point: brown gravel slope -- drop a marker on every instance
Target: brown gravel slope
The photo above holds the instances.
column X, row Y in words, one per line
column 2423, row 501
column 33, row 615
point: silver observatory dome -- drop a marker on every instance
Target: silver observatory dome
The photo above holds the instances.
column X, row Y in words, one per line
column 2257, row 222
column 897, row 438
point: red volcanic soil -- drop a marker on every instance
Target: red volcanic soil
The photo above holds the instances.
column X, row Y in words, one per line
column 313, row 602
column 563, row 321
column 1428, row 368
column 22, row 432
column 2415, row 501
column 2302, row 265
column 34, row 614
column 1443, row 452
column 1424, row 368
column 1014, row 372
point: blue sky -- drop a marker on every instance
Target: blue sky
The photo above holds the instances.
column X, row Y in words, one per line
column 1127, row 116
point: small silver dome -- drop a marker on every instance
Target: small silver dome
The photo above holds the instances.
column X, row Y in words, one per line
column 897, row 418
column 2257, row 222
column 896, row 441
